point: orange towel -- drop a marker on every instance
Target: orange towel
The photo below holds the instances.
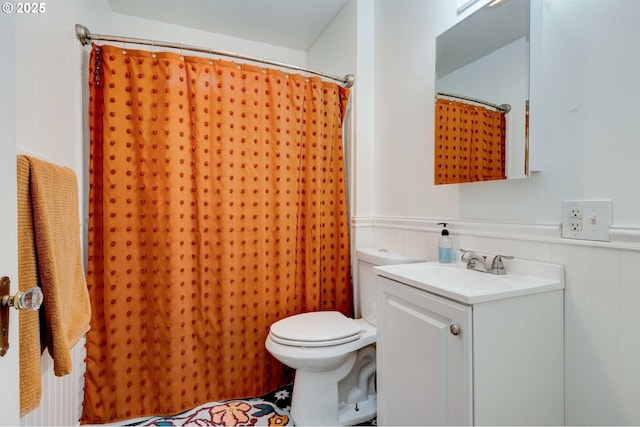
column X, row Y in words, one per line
column 56, row 225
column 29, row 323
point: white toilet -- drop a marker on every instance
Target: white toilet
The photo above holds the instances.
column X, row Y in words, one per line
column 334, row 356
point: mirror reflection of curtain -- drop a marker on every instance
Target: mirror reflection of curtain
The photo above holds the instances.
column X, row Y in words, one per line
column 217, row 206
column 469, row 143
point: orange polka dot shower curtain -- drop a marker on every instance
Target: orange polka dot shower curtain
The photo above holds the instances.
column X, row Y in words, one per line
column 217, row 206
column 469, row 143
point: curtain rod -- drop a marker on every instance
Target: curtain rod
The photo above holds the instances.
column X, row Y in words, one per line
column 84, row 36
column 505, row 108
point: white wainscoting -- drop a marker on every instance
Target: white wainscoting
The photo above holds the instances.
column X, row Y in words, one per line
column 602, row 296
column 61, row 402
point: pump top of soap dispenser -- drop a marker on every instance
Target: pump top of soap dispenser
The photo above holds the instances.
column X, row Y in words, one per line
column 445, row 232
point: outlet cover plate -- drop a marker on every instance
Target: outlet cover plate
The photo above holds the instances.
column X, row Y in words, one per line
column 593, row 223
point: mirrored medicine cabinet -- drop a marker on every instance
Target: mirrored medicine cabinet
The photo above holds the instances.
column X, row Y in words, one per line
column 484, row 61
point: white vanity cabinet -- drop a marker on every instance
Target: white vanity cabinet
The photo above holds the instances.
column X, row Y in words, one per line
column 490, row 362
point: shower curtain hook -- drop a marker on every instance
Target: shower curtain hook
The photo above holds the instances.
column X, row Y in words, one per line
column 181, row 53
column 210, row 57
column 153, row 48
column 238, row 60
column 124, row 47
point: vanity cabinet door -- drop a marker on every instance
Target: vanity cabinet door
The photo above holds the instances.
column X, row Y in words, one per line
column 424, row 358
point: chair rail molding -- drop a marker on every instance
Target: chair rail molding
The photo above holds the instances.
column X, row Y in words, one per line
column 622, row 237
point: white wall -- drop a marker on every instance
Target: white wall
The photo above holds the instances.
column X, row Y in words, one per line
column 405, row 34
column 147, row 29
column 587, row 149
column 48, row 80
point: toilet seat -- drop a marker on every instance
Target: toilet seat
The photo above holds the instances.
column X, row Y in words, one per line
column 315, row 329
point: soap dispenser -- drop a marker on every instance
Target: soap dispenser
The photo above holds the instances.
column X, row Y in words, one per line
column 445, row 245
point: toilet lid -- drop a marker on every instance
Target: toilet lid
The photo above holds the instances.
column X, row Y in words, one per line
column 315, row 329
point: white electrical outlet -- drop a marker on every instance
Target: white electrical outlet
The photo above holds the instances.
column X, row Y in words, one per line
column 575, row 212
column 575, row 224
column 586, row 219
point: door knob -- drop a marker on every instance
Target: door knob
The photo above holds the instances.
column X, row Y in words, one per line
column 454, row 329
column 27, row 300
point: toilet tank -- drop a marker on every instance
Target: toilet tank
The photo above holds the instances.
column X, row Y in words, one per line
column 367, row 259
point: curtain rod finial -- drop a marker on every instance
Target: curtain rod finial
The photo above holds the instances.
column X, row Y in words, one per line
column 505, row 107
column 349, row 80
column 83, row 34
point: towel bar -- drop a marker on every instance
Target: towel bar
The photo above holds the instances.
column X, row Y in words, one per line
column 27, row 300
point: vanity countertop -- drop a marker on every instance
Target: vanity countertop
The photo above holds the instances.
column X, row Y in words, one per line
column 454, row 281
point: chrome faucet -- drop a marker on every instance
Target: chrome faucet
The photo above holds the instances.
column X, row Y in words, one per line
column 478, row 263
column 474, row 261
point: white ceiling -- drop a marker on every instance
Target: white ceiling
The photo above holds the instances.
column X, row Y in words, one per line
column 294, row 24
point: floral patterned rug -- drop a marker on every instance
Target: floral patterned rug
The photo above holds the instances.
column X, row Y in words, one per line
column 272, row 409
column 269, row 410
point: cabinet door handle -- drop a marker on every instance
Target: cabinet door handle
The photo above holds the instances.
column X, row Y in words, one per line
column 454, row 329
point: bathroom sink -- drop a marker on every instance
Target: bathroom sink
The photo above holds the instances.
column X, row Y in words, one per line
column 455, row 281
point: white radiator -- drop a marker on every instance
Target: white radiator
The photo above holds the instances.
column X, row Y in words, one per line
column 61, row 402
